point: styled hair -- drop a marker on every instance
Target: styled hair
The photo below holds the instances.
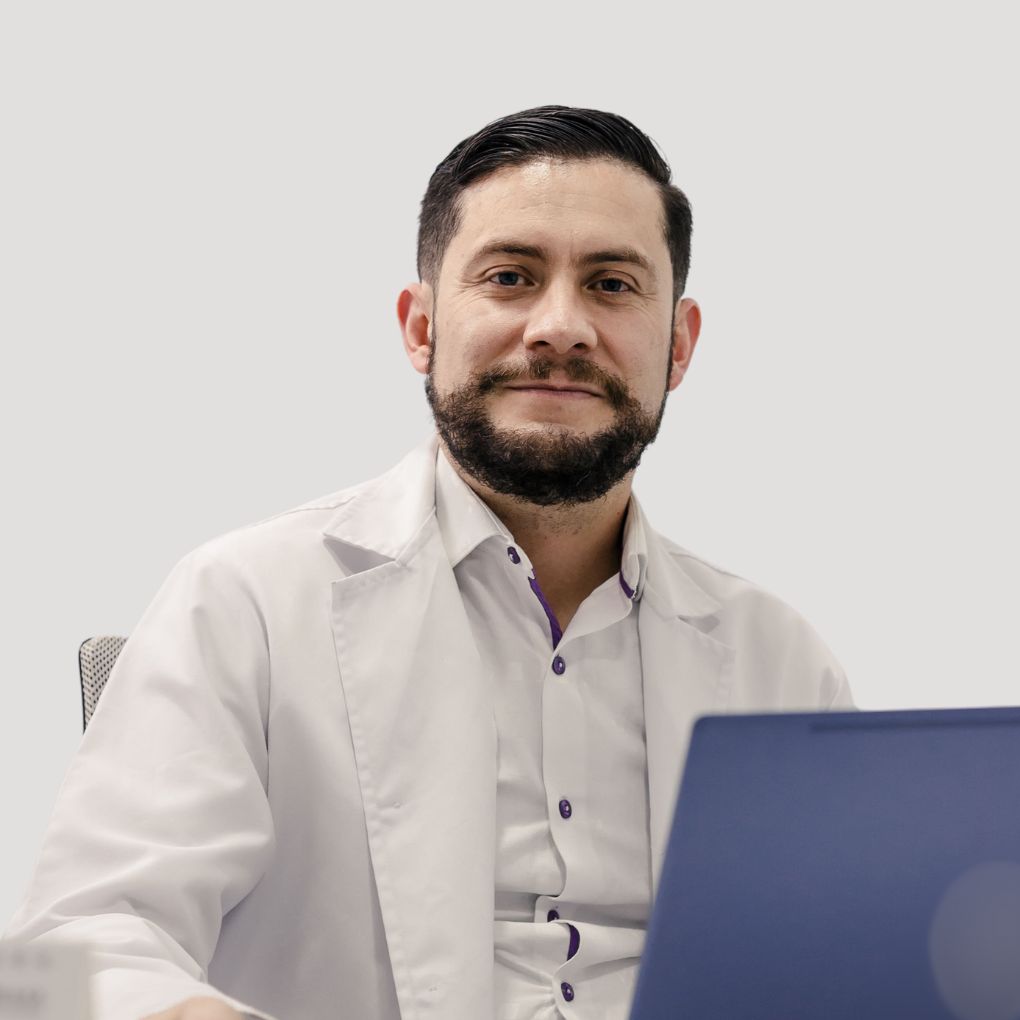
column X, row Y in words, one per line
column 551, row 132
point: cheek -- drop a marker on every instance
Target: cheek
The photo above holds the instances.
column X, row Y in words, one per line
column 453, row 365
column 466, row 352
column 649, row 377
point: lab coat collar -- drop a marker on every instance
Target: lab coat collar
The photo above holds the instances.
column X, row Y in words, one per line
column 667, row 586
column 383, row 516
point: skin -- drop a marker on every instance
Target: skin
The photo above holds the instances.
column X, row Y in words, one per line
column 558, row 307
column 199, row 1008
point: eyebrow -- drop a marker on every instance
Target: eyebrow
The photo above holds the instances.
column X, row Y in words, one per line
column 532, row 251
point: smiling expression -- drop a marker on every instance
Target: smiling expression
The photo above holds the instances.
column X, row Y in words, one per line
column 554, row 303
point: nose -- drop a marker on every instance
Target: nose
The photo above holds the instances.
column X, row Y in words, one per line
column 559, row 321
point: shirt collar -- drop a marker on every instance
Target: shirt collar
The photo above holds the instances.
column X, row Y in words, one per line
column 634, row 561
column 465, row 522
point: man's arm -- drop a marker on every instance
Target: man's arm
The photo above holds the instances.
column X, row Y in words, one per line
column 843, row 699
column 162, row 824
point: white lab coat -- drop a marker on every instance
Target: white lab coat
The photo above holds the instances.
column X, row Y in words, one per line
column 287, row 792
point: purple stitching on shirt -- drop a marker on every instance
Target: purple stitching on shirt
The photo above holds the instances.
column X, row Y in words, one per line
column 554, row 625
column 627, row 589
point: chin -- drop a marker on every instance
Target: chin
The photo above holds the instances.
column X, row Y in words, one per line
column 547, row 424
column 550, row 429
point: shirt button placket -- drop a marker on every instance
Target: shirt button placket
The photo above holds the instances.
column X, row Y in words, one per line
column 566, row 810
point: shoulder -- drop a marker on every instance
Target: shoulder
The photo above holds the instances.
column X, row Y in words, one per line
column 272, row 559
column 370, row 514
column 278, row 537
column 730, row 590
column 290, row 557
column 776, row 648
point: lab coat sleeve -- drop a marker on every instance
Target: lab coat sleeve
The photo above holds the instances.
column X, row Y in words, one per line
column 842, row 700
column 162, row 824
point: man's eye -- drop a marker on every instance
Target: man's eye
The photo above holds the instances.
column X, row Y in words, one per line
column 500, row 277
column 624, row 286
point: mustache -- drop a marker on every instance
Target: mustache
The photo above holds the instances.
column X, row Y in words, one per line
column 541, row 368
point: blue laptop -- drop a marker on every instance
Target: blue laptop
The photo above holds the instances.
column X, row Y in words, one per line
column 841, row 866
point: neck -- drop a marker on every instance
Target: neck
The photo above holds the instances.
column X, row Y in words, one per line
column 573, row 549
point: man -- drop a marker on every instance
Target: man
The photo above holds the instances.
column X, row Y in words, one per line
column 411, row 750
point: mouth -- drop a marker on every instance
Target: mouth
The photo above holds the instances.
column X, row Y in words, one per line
column 554, row 389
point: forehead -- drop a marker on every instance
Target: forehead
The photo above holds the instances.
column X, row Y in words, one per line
column 557, row 204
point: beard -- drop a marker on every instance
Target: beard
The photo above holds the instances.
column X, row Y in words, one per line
column 552, row 465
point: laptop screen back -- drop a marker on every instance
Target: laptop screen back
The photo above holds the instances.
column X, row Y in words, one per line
column 842, row 866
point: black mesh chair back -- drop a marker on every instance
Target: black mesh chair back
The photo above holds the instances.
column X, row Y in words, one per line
column 96, row 657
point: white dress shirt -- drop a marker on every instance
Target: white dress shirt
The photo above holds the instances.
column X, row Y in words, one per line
column 573, row 868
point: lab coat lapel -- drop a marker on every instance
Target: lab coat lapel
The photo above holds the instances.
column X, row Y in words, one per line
column 685, row 673
column 423, row 728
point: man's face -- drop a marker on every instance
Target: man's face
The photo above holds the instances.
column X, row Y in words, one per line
column 553, row 341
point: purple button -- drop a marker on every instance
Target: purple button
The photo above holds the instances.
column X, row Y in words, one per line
column 553, row 915
column 512, row 553
column 559, row 666
column 568, row 991
column 575, row 942
column 565, row 809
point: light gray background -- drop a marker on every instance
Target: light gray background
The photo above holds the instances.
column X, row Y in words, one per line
column 208, row 210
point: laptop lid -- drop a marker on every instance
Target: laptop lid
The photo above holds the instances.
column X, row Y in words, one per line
column 841, row 866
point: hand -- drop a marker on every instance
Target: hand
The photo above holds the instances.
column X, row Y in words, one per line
column 203, row 1007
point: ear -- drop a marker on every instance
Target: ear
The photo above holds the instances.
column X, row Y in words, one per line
column 414, row 310
column 686, row 328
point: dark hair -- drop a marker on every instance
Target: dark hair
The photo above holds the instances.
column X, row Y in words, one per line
column 556, row 132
